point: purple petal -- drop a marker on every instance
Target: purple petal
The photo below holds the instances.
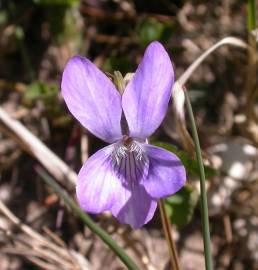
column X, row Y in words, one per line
column 97, row 185
column 104, row 186
column 166, row 173
column 92, row 98
column 146, row 97
column 138, row 206
column 138, row 210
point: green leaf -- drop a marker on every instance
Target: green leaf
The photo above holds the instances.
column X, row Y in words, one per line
column 48, row 95
column 41, row 90
column 149, row 30
column 3, row 17
column 190, row 164
column 180, row 207
column 120, row 63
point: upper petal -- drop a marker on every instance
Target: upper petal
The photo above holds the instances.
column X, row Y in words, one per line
column 103, row 185
column 145, row 99
column 166, row 173
column 92, row 98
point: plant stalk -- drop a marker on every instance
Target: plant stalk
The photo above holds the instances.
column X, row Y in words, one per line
column 204, row 204
column 167, row 228
column 251, row 15
column 251, row 81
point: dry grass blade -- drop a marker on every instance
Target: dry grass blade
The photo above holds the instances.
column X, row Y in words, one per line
column 31, row 144
column 36, row 248
column 236, row 42
column 178, row 93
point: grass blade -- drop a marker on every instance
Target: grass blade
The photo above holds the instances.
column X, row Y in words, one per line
column 204, row 204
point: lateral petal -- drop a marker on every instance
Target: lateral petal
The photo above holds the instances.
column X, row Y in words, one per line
column 166, row 173
column 97, row 184
column 92, row 98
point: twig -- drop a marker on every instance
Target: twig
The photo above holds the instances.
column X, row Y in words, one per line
column 38, row 247
column 41, row 263
column 31, row 144
column 53, row 236
column 228, row 228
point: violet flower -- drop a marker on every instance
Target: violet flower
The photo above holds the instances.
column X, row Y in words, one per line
column 128, row 176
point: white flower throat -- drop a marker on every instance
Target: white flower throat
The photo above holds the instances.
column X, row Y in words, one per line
column 128, row 146
column 130, row 162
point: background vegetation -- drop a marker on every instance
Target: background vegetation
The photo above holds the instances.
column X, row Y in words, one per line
column 37, row 37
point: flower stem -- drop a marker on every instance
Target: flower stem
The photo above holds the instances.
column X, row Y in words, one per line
column 204, row 204
column 251, row 15
column 251, row 72
column 77, row 211
column 167, row 227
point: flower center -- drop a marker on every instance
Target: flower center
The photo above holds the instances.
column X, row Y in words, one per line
column 130, row 162
column 128, row 146
column 127, row 141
